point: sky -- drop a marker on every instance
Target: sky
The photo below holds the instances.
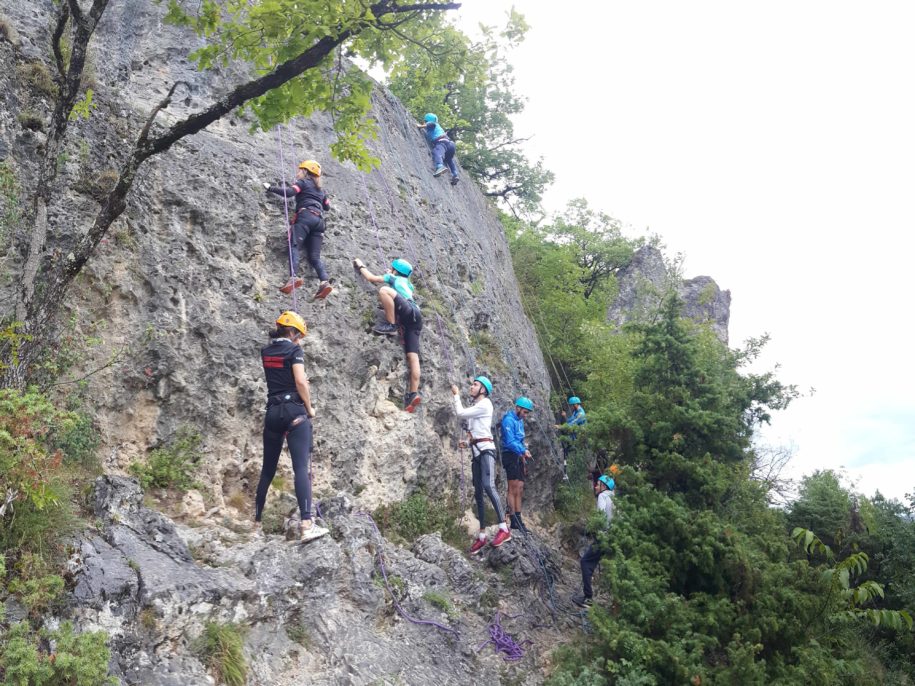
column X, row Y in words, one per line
column 773, row 145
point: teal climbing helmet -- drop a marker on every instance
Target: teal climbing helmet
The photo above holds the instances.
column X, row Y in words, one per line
column 607, row 481
column 525, row 403
column 401, row 266
column 485, row 383
column 574, row 400
column 431, row 118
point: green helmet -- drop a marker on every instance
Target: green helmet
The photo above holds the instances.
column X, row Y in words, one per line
column 525, row 403
column 485, row 383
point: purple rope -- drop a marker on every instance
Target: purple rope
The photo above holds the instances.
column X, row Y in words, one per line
column 379, row 555
column 282, row 162
column 511, row 650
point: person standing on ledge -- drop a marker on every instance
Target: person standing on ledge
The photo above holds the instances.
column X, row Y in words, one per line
column 603, row 489
column 515, row 456
column 289, row 415
column 478, row 418
column 402, row 315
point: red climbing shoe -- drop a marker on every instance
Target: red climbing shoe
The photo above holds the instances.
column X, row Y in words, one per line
column 477, row 546
column 323, row 290
column 297, row 282
column 501, row 537
column 411, row 402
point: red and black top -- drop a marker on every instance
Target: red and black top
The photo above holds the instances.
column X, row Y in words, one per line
column 278, row 358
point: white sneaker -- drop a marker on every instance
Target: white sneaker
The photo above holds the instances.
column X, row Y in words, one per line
column 312, row 532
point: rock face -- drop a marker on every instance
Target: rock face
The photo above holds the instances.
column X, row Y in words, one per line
column 646, row 280
column 184, row 289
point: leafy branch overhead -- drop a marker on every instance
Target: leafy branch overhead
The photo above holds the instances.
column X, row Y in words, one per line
column 288, row 47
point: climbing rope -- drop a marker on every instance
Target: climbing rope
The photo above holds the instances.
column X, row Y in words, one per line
column 289, row 238
column 379, row 556
column 503, row 643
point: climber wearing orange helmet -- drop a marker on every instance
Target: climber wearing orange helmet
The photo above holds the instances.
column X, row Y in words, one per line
column 289, row 414
column 308, row 230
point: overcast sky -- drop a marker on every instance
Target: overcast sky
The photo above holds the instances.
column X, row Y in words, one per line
column 773, row 144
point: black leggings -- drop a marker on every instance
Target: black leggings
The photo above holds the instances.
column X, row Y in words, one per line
column 308, row 233
column 298, row 438
column 484, row 479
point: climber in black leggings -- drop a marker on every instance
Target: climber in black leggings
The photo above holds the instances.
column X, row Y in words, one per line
column 289, row 414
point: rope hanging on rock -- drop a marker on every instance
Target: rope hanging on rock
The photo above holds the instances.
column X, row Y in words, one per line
column 281, row 159
column 379, row 555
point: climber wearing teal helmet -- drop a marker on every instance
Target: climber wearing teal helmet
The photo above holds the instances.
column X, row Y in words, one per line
column 514, row 457
column 568, row 434
column 603, row 489
column 442, row 147
column 477, row 420
column 402, row 316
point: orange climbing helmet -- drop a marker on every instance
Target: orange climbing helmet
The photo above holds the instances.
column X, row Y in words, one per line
column 311, row 166
column 293, row 319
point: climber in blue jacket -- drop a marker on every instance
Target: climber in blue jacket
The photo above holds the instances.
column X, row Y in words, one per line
column 442, row 147
column 567, row 430
column 515, row 456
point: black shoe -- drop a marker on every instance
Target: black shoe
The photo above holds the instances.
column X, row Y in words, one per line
column 514, row 522
column 520, row 522
column 581, row 600
column 411, row 401
column 386, row 329
column 454, row 180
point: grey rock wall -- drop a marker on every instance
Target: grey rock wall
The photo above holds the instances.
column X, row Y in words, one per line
column 183, row 291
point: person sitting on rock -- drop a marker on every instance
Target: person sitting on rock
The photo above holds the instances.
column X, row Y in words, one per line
column 478, row 418
column 442, row 147
column 515, row 456
column 289, row 415
column 308, row 229
column 402, row 315
column 603, row 489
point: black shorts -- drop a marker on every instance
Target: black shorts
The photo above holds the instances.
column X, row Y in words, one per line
column 514, row 466
column 410, row 320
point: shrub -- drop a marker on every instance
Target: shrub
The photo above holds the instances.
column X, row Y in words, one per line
column 37, row 78
column 221, row 648
column 417, row 515
column 79, row 659
column 173, row 465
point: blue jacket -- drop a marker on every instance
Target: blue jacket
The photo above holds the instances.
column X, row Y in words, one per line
column 578, row 417
column 512, row 433
column 434, row 131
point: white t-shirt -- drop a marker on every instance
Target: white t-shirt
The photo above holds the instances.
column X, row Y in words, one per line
column 479, row 419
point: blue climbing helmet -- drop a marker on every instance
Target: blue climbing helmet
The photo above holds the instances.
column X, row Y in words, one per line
column 607, row 481
column 574, row 400
column 402, row 267
column 525, row 403
column 431, row 118
column 485, row 383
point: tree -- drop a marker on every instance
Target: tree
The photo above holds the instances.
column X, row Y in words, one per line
column 470, row 86
column 289, row 45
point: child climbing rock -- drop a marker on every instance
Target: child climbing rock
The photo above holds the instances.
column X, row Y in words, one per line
column 442, row 147
column 308, row 231
column 289, row 415
column 483, row 457
column 402, row 315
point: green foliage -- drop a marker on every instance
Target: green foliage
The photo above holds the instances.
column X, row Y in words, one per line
column 441, row 601
column 266, row 34
column 10, row 206
column 173, row 465
column 419, row 514
column 77, row 660
column 470, row 86
column 220, row 645
column 37, row 591
column 83, row 108
column 36, row 77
